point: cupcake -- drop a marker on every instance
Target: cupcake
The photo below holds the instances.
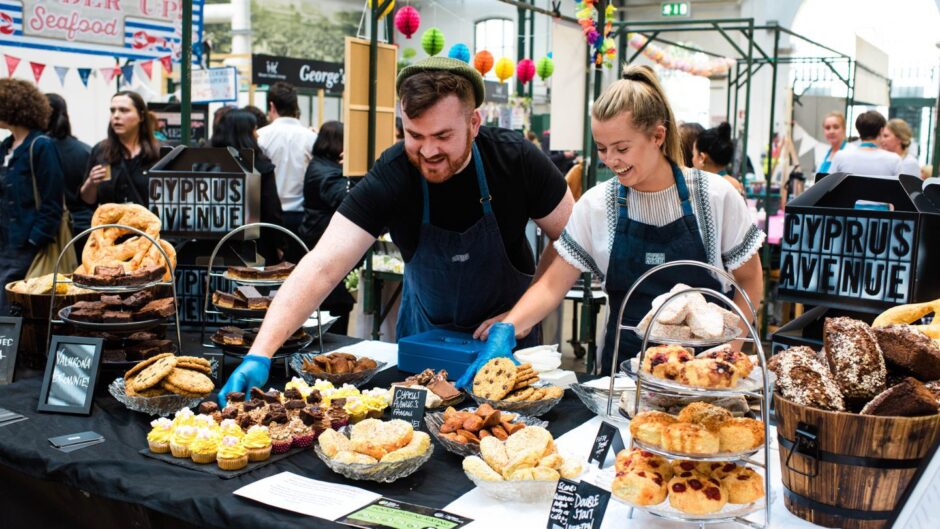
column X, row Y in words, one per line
column 205, row 421
column 231, row 454
column 203, row 448
column 159, row 437
column 230, row 428
column 258, row 443
column 301, row 434
column 300, row 385
column 182, row 437
column 281, row 438
column 356, row 409
column 336, row 413
column 183, row 417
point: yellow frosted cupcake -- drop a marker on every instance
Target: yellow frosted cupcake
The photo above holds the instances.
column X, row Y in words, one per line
column 230, row 428
column 204, row 447
column 184, row 417
column 205, row 421
column 258, row 443
column 231, row 454
column 182, row 437
column 300, row 385
column 159, row 437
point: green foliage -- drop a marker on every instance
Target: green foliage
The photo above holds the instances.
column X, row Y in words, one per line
column 307, row 33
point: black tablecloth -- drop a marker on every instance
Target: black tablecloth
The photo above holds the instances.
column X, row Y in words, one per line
column 115, row 470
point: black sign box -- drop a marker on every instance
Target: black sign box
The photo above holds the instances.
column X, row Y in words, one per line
column 9, row 344
column 606, row 445
column 302, row 73
column 496, row 92
column 71, row 372
column 856, row 259
column 408, row 405
column 205, row 192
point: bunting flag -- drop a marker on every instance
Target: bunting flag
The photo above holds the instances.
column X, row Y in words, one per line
column 61, row 71
column 167, row 63
column 38, row 68
column 147, row 67
column 84, row 74
column 12, row 63
column 108, row 73
column 127, row 71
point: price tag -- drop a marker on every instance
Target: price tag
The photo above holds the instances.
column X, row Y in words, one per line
column 565, row 494
column 606, row 445
column 408, row 405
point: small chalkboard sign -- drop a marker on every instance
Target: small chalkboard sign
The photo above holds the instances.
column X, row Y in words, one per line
column 71, row 371
column 9, row 344
column 606, row 445
column 590, row 505
column 565, row 494
column 408, row 405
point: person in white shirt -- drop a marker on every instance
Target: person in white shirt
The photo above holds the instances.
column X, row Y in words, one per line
column 867, row 158
column 289, row 144
column 653, row 212
column 896, row 137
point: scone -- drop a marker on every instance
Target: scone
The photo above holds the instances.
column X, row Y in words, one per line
column 478, row 468
column 640, row 487
column 708, row 373
column 638, row 459
column 332, row 442
column 349, row 457
column 743, row 485
column 726, row 353
column 687, row 438
column 420, row 442
column 647, row 427
column 663, row 361
column 690, row 493
column 740, row 435
column 708, row 415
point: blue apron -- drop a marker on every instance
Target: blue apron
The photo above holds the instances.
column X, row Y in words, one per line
column 827, row 161
column 639, row 247
column 455, row 280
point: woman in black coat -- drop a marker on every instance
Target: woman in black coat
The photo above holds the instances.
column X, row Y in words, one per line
column 324, row 189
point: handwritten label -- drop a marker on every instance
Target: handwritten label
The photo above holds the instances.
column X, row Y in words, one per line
column 590, row 505
column 408, row 405
column 565, row 494
column 606, row 445
column 71, row 371
column 9, row 344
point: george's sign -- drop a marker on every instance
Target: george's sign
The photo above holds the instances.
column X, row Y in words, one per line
column 302, row 73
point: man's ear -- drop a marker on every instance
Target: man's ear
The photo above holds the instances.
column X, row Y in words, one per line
column 476, row 119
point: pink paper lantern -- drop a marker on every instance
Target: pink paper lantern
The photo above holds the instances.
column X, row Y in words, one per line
column 407, row 20
column 525, row 70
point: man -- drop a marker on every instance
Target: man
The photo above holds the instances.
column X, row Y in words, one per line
column 455, row 197
column 867, row 158
column 289, row 145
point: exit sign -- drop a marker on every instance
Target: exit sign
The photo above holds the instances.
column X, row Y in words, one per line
column 675, row 9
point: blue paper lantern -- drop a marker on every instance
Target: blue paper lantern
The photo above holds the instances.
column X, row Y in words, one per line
column 460, row 52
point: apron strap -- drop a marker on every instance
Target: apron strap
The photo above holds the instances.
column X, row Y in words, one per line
column 681, row 187
column 485, row 197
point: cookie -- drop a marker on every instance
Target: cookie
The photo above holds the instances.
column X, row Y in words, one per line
column 179, row 391
column 525, row 382
column 199, row 368
column 521, row 395
column 154, row 373
column 155, row 391
column 495, row 380
column 193, row 360
column 477, row 468
column 554, row 392
column 132, row 372
column 538, row 394
column 190, row 381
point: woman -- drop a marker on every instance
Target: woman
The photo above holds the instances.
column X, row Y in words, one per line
column 117, row 165
column 688, row 134
column 896, row 137
column 73, row 157
column 31, row 182
column 713, row 150
column 653, row 212
column 324, row 190
column 239, row 129
column 834, row 130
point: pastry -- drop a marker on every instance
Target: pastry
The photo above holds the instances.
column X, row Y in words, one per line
column 419, row 444
column 638, row 459
column 708, row 415
column 726, row 353
column 743, row 485
column 182, row 437
column 496, row 379
column 648, row 426
column 910, row 398
column 909, row 349
column 910, row 314
column 478, row 468
column 692, row 493
column 640, row 487
column 740, row 435
column 804, row 380
column 855, row 359
column 705, row 322
column 707, row 373
column 663, row 361
column 687, row 438
column 231, row 455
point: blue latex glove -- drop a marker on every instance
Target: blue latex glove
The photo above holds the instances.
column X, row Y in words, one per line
column 500, row 342
column 251, row 373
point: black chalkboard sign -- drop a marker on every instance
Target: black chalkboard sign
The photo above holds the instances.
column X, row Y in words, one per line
column 590, row 505
column 562, row 502
column 606, row 445
column 408, row 405
column 71, row 371
column 9, row 344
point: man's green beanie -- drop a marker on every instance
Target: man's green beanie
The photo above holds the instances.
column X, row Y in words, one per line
column 446, row 64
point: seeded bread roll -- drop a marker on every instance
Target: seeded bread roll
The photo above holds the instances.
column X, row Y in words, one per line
column 854, row 357
column 804, row 380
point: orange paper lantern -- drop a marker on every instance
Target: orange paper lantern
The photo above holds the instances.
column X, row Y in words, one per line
column 483, row 61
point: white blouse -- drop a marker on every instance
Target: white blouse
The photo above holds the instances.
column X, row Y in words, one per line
column 728, row 231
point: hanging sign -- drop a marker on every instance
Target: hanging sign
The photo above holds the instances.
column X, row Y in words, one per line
column 144, row 29
column 302, row 73
column 215, row 85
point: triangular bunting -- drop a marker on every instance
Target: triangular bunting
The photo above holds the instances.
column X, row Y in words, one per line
column 12, row 63
column 147, row 67
column 84, row 74
column 108, row 73
column 128, row 72
column 167, row 63
column 61, row 71
column 37, row 69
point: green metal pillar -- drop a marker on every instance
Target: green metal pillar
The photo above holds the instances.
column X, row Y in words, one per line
column 936, row 138
column 186, row 75
column 520, row 45
column 531, row 50
column 770, row 149
column 747, row 95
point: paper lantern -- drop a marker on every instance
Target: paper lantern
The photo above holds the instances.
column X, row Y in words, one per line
column 459, row 51
column 483, row 61
column 407, row 21
column 544, row 68
column 525, row 70
column 391, row 5
column 504, row 69
column 409, row 53
column 432, row 41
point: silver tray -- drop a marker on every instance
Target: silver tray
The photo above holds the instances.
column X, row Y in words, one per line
column 254, row 282
column 595, row 399
column 119, row 289
column 729, row 334
column 234, row 312
column 100, row 326
column 728, row 513
column 532, row 409
column 752, row 385
column 381, row 472
column 717, row 456
column 435, row 420
column 356, row 379
column 525, row 491
column 289, row 346
column 163, row 405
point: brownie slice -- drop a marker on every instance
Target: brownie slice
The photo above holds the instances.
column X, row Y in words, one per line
column 137, row 300
column 109, row 271
column 115, row 316
column 251, row 297
column 89, row 305
column 243, row 272
column 908, row 399
column 113, row 355
column 89, row 315
column 156, row 309
column 226, row 300
column 112, row 300
column 907, row 348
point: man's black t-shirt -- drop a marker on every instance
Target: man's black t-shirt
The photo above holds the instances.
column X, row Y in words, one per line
column 523, row 182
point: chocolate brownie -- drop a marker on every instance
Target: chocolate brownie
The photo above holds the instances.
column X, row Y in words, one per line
column 138, row 299
column 156, row 309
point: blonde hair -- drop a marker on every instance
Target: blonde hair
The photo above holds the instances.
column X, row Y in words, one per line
column 640, row 94
column 838, row 115
column 902, row 130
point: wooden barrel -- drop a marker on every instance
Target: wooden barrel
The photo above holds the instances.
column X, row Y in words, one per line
column 34, row 309
column 857, row 467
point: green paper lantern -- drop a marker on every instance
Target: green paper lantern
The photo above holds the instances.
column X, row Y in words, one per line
column 432, row 41
column 544, row 68
column 408, row 53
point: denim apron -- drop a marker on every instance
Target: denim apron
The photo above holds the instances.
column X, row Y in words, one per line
column 454, row 280
column 639, row 247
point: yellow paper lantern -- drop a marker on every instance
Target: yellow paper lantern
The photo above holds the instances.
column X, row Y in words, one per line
column 391, row 5
column 504, row 69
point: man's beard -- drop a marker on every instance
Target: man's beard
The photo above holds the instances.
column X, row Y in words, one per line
column 452, row 167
